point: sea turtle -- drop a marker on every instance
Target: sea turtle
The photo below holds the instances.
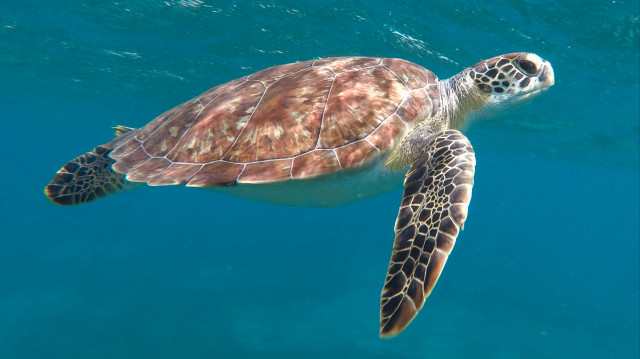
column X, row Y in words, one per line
column 324, row 133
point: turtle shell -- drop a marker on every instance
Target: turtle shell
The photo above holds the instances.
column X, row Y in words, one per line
column 292, row 121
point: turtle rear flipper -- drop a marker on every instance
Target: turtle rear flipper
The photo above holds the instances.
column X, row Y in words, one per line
column 85, row 178
column 437, row 191
column 121, row 130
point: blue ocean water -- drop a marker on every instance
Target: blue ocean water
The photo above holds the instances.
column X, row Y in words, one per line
column 547, row 266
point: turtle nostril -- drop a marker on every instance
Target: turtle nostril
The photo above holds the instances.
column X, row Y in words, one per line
column 543, row 75
column 546, row 76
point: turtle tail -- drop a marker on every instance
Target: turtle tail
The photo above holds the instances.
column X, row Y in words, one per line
column 85, row 179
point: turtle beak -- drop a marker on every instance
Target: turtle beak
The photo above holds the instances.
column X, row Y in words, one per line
column 546, row 76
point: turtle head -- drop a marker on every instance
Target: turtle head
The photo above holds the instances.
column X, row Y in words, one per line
column 510, row 78
column 497, row 82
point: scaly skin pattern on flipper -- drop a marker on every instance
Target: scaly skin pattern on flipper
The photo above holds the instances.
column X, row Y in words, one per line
column 85, row 178
column 433, row 209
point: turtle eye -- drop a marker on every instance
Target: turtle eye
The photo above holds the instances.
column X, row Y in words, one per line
column 528, row 67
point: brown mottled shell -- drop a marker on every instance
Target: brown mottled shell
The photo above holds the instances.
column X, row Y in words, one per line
column 291, row 121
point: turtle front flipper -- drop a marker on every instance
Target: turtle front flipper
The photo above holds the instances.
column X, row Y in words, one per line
column 437, row 191
column 85, row 178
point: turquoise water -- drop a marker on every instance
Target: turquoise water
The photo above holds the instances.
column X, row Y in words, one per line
column 547, row 266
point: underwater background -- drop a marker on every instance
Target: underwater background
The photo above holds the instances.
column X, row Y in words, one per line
column 547, row 266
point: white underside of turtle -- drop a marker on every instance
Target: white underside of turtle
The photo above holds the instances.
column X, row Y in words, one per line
column 330, row 190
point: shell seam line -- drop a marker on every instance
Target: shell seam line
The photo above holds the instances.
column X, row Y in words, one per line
column 235, row 140
column 186, row 130
column 324, row 110
column 246, row 79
